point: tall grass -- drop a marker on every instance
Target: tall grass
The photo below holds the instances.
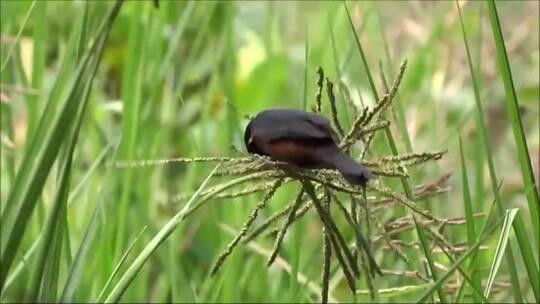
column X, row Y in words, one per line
column 54, row 126
column 87, row 85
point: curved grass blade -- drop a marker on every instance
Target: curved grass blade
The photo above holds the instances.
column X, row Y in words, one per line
column 160, row 237
column 500, row 249
column 21, row 265
column 458, row 262
column 74, row 274
column 18, row 37
column 120, row 263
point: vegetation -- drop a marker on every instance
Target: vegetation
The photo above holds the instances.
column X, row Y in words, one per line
column 124, row 176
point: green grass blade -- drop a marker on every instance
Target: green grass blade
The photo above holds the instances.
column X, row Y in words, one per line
column 389, row 137
column 50, row 233
column 491, row 166
column 491, row 215
column 50, row 279
column 459, row 261
column 391, row 143
column 362, row 55
column 470, row 222
column 121, row 286
column 21, row 265
column 337, row 68
column 51, row 230
column 466, row 279
column 427, row 253
column 120, row 263
column 131, row 92
column 306, row 58
column 200, row 66
column 176, row 38
column 401, row 121
column 528, row 256
column 63, row 198
column 512, row 109
column 84, row 180
column 18, row 37
column 38, row 65
column 39, row 159
column 500, row 249
column 74, row 274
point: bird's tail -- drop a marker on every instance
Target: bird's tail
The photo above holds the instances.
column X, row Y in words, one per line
column 352, row 171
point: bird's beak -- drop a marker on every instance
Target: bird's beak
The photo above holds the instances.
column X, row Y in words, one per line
column 250, row 140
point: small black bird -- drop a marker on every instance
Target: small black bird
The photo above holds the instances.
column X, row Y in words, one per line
column 301, row 138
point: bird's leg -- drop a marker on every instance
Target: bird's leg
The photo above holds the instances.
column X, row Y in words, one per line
column 285, row 166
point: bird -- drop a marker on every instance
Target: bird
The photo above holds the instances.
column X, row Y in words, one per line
column 304, row 139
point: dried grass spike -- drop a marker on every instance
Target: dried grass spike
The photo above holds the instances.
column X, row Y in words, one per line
column 318, row 96
column 245, row 227
column 298, row 215
column 283, row 230
column 333, row 108
column 251, row 190
column 410, row 205
column 357, row 124
column 327, row 252
column 156, row 162
column 334, row 231
column 343, row 88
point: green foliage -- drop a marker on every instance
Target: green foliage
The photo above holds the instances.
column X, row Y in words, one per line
column 105, row 137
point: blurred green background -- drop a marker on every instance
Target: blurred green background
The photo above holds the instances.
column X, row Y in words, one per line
column 178, row 81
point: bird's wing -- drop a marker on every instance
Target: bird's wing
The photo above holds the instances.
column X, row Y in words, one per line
column 310, row 129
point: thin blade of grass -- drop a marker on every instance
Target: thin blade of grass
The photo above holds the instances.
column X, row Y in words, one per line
column 39, row 53
column 18, row 37
column 84, row 180
column 74, row 274
column 500, row 249
column 391, row 143
column 489, row 219
column 466, row 279
column 527, row 255
column 512, row 109
column 49, row 288
column 306, row 57
column 120, row 263
column 20, row 266
column 281, row 263
column 176, row 38
column 427, row 253
column 124, row 282
column 131, row 94
column 337, row 67
column 491, row 165
column 531, row 192
column 397, row 103
column 471, row 233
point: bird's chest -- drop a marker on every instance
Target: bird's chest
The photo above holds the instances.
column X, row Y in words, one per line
column 288, row 150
